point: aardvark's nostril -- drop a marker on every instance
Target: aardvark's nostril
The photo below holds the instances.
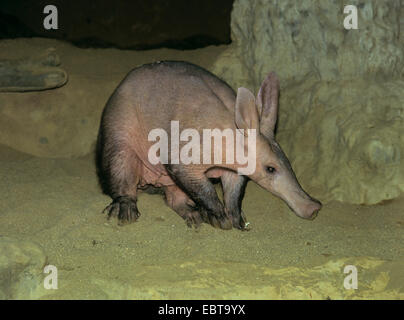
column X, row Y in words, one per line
column 314, row 214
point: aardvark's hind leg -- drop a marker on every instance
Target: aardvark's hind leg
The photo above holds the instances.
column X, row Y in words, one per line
column 182, row 204
column 122, row 171
column 202, row 192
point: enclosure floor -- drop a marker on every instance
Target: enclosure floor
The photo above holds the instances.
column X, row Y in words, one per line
column 56, row 203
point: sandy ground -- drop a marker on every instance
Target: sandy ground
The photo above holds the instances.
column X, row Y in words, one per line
column 57, row 204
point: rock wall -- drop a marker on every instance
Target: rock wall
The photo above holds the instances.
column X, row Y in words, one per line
column 342, row 91
column 56, row 123
column 21, row 269
column 345, row 138
column 302, row 39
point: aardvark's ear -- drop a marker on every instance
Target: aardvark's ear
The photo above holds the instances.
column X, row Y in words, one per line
column 246, row 115
column 267, row 104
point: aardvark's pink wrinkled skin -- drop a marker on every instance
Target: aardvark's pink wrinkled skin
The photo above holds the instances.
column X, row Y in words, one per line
column 151, row 97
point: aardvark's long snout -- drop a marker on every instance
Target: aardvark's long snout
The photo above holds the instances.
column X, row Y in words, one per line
column 309, row 210
column 303, row 205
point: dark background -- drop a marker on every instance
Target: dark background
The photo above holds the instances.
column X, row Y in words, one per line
column 126, row 24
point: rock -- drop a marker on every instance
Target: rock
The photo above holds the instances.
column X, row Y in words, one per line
column 55, row 123
column 31, row 74
column 341, row 112
column 306, row 39
column 21, row 269
column 377, row 279
column 345, row 139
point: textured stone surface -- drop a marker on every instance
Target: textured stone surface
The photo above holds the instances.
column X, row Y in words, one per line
column 341, row 107
column 377, row 279
column 302, row 39
column 346, row 138
column 21, row 269
column 54, row 123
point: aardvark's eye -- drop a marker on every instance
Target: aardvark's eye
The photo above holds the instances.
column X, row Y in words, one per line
column 271, row 170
